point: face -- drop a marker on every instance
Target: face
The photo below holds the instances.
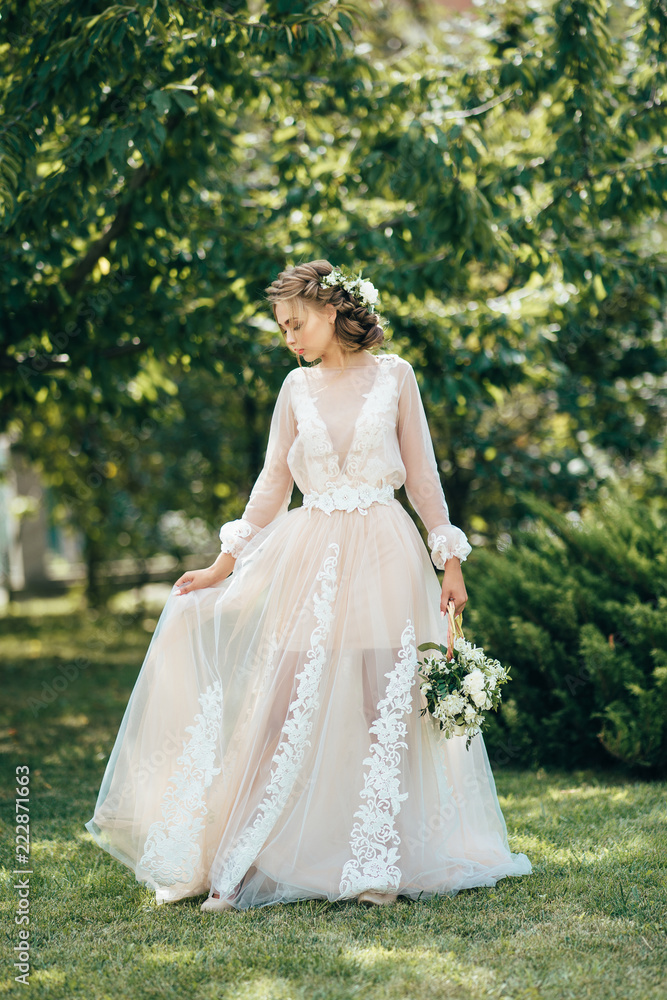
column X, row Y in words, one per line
column 313, row 334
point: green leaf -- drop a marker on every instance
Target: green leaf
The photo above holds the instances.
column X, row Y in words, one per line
column 161, row 100
column 184, row 99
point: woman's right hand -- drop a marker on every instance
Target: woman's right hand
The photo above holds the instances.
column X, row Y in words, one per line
column 198, row 579
column 195, row 579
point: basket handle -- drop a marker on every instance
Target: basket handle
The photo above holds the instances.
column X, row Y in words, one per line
column 454, row 627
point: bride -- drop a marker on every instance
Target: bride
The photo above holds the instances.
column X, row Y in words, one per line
column 272, row 748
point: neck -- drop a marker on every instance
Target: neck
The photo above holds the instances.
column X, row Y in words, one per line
column 344, row 359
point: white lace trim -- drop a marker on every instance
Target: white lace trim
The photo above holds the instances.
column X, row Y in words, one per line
column 349, row 498
column 171, row 851
column 370, row 426
column 444, row 546
column 233, row 536
column 321, row 459
column 294, row 737
column 373, row 865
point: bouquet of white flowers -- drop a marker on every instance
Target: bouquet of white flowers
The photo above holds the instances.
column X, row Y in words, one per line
column 460, row 682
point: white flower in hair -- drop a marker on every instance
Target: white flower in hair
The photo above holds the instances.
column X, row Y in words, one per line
column 368, row 293
column 362, row 289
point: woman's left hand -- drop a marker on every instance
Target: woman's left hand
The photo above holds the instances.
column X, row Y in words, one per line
column 453, row 587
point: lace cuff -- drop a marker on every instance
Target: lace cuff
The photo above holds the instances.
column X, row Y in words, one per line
column 234, row 535
column 446, row 541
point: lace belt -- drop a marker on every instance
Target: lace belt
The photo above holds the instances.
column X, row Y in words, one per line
column 349, row 498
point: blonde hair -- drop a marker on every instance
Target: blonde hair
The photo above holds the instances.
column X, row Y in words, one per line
column 356, row 328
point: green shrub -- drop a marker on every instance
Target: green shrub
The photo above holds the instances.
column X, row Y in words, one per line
column 578, row 607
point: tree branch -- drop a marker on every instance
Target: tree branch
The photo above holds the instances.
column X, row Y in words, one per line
column 119, row 224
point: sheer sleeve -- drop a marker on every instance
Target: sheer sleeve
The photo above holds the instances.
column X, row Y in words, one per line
column 272, row 492
column 422, row 482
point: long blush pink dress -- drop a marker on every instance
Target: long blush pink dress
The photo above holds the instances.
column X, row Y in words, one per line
column 272, row 748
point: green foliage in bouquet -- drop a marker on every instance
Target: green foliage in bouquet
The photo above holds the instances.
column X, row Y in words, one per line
column 458, row 691
column 578, row 605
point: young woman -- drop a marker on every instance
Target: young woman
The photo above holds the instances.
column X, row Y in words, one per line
column 273, row 748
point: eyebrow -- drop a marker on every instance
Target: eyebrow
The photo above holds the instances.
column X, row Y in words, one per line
column 281, row 325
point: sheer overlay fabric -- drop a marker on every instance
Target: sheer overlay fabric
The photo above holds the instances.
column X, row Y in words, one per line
column 272, row 748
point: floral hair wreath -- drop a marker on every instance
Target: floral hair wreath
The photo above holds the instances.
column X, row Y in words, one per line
column 364, row 291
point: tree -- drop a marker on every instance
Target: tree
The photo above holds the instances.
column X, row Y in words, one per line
column 133, row 221
column 503, row 186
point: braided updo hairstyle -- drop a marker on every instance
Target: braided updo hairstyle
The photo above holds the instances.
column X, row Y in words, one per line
column 356, row 328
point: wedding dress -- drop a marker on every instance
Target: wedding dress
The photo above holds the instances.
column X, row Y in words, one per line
column 273, row 738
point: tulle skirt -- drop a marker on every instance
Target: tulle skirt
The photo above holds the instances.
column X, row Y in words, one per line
column 272, row 748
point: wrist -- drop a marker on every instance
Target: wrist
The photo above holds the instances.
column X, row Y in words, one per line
column 222, row 566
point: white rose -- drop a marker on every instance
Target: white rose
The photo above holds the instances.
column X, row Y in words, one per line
column 453, row 703
column 474, row 681
column 470, row 713
column 368, row 292
column 479, row 697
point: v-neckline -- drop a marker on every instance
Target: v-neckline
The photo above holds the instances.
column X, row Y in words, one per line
column 364, row 406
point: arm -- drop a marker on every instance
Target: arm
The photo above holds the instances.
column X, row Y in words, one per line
column 271, row 494
column 449, row 545
column 270, row 497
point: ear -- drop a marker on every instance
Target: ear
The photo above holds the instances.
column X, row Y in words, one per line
column 331, row 312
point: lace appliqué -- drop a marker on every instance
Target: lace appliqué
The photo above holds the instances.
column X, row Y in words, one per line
column 233, row 536
column 294, row 737
column 370, row 428
column 171, row 852
column 443, row 547
column 319, row 454
column 349, row 498
column 374, row 863
column 321, row 459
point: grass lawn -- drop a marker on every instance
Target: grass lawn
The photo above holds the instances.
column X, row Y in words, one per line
column 590, row 922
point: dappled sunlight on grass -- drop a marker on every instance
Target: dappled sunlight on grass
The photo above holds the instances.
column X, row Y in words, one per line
column 47, row 979
column 262, row 988
column 419, row 970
